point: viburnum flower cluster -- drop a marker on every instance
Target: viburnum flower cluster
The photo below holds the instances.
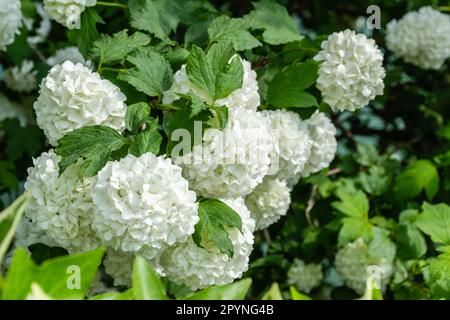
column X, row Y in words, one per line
column 67, row 12
column 10, row 22
column 72, row 96
column 351, row 72
column 21, row 78
column 292, row 147
column 71, row 54
column 61, row 205
column 353, row 261
column 200, row 267
column 305, row 276
column 230, row 163
column 109, row 108
column 148, row 205
column 421, row 37
column 269, row 201
column 143, row 204
column 38, row 34
column 11, row 110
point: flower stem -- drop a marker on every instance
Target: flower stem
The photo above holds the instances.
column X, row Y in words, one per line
column 112, row 4
column 165, row 107
column 111, row 69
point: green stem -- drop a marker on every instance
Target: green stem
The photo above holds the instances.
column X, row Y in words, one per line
column 208, row 46
column 100, row 64
column 444, row 8
column 111, row 69
column 165, row 107
column 112, row 4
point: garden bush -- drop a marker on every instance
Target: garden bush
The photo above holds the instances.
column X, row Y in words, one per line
column 170, row 149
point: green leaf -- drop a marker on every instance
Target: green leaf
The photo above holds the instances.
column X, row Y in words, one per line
column 232, row 30
column 353, row 204
column 159, row 17
column 55, row 275
column 116, row 47
column 93, row 143
column 435, row 222
column 176, row 57
column 274, row 19
column 220, row 117
column 411, row 243
column 146, row 283
column 233, row 291
column 353, row 229
column 67, row 277
column 20, row 141
column 19, row 49
column 85, row 36
column 213, row 72
column 147, row 141
column 9, row 219
column 215, row 218
column 367, row 154
column 7, row 177
column 197, row 106
column 273, row 293
column 190, row 118
column 294, row 99
column 439, row 275
column 193, row 102
column 382, row 246
column 199, row 70
column 295, row 295
column 376, row 181
column 152, row 73
column 20, row 276
column 418, row 176
column 286, row 90
column 137, row 114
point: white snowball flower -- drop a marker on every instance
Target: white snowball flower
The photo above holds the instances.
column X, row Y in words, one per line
column 21, row 79
column 28, row 233
column 421, row 37
column 269, row 202
column 40, row 33
column 119, row 265
column 324, row 144
column 143, row 204
column 72, row 54
column 72, row 96
column 10, row 22
column 305, row 276
column 61, row 204
column 246, row 97
column 67, row 12
column 292, row 144
column 352, row 263
column 197, row 268
column 231, row 162
column 351, row 73
column 11, row 110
